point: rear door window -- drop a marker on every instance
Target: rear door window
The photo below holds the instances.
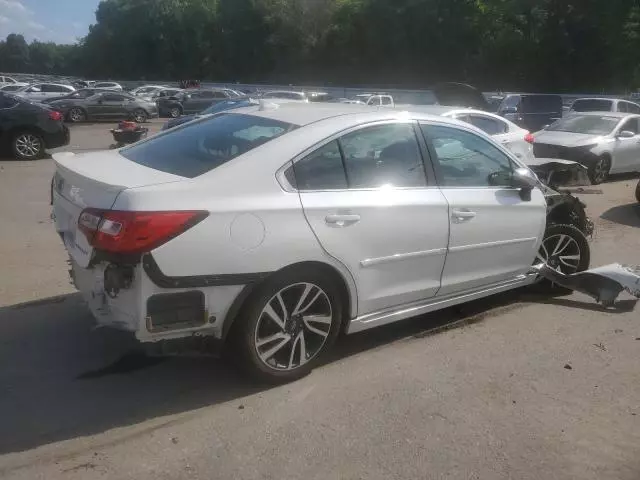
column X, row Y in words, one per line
column 198, row 147
column 542, row 103
column 592, row 105
column 488, row 125
column 321, row 170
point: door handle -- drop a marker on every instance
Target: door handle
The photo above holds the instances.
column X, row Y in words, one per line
column 462, row 215
column 341, row 220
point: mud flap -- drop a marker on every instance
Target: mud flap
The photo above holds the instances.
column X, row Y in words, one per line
column 604, row 284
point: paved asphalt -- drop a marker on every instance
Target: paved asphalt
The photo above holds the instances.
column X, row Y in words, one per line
column 515, row 387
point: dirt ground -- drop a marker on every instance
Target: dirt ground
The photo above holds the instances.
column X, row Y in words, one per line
column 514, row 387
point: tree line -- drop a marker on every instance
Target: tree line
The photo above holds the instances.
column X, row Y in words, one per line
column 535, row 45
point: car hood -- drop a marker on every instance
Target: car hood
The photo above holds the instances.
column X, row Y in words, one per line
column 566, row 139
column 460, row 95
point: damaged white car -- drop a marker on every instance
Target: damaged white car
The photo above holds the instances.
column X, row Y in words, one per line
column 277, row 227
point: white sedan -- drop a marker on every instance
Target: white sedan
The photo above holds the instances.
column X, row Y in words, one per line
column 276, row 227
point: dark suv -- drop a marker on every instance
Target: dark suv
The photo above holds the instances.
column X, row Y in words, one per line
column 28, row 128
column 193, row 101
column 530, row 110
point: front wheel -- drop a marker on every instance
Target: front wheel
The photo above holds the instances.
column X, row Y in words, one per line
column 566, row 249
column 174, row 112
column 599, row 171
column 288, row 325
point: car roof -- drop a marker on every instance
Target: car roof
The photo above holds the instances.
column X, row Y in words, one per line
column 306, row 113
column 597, row 98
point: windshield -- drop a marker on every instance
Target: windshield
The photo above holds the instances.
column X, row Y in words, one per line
column 201, row 146
column 588, row 124
column 592, row 105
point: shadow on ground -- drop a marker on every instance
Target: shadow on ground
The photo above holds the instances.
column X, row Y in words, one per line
column 61, row 379
column 628, row 214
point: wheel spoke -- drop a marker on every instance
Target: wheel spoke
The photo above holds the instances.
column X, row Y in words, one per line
column 315, row 330
column 307, row 290
column 266, row 356
column 562, row 244
column 298, row 344
column 326, row 319
column 575, row 259
column 272, row 338
column 271, row 313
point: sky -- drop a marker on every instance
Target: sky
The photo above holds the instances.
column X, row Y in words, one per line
column 60, row 21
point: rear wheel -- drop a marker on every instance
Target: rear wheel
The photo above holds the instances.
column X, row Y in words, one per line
column 288, row 325
column 566, row 249
column 638, row 191
column 599, row 171
column 174, row 112
column 27, row 145
column 140, row 116
column 76, row 114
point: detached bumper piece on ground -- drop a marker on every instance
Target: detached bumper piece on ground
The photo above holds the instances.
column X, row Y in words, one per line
column 604, row 284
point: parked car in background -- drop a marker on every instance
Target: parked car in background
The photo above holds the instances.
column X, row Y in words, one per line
column 319, row 97
column 82, row 93
column 84, row 84
column 604, row 143
column 146, row 90
column 12, row 87
column 279, row 262
column 41, row 91
column 604, row 105
column 166, row 92
column 188, row 102
column 106, row 105
column 5, row 80
column 28, row 128
column 286, row 94
column 108, row 86
column 532, row 111
column 507, row 133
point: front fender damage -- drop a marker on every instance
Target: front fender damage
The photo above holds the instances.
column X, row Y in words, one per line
column 603, row 284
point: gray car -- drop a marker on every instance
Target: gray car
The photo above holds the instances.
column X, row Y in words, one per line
column 603, row 142
column 106, row 106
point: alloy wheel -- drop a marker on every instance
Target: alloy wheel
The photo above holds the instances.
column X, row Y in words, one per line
column 174, row 112
column 28, row 145
column 76, row 115
column 293, row 326
column 139, row 116
column 600, row 170
column 560, row 252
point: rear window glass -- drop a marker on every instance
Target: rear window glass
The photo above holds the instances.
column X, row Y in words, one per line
column 594, row 105
column 201, row 146
column 542, row 103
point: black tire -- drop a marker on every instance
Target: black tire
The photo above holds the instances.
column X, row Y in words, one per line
column 175, row 112
column 253, row 323
column 599, row 171
column 76, row 115
column 27, row 145
column 638, row 191
column 139, row 115
column 557, row 231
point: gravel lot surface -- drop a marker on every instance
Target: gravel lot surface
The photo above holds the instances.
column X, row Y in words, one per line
column 514, row 387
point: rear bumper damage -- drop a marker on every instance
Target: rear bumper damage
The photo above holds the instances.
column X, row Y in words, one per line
column 603, row 284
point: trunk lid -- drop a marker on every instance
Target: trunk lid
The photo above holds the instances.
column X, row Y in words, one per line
column 93, row 180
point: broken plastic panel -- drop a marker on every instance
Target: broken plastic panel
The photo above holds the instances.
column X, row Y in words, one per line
column 604, row 284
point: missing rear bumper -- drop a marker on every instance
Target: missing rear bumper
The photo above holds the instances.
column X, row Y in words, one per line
column 176, row 311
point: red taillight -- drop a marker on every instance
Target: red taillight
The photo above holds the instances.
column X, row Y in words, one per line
column 53, row 115
column 134, row 232
column 529, row 138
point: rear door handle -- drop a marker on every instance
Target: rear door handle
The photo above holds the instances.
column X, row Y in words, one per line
column 341, row 220
column 462, row 215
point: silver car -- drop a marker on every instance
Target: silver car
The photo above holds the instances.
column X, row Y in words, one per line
column 42, row 91
column 603, row 142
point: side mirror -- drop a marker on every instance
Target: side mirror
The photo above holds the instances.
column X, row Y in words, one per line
column 626, row 134
column 525, row 180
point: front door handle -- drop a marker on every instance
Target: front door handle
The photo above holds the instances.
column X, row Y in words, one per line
column 341, row 220
column 462, row 215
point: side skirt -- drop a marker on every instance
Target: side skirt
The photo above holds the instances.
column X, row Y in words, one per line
column 394, row 314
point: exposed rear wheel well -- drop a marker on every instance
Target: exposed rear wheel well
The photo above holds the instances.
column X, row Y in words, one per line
column 245, row 295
